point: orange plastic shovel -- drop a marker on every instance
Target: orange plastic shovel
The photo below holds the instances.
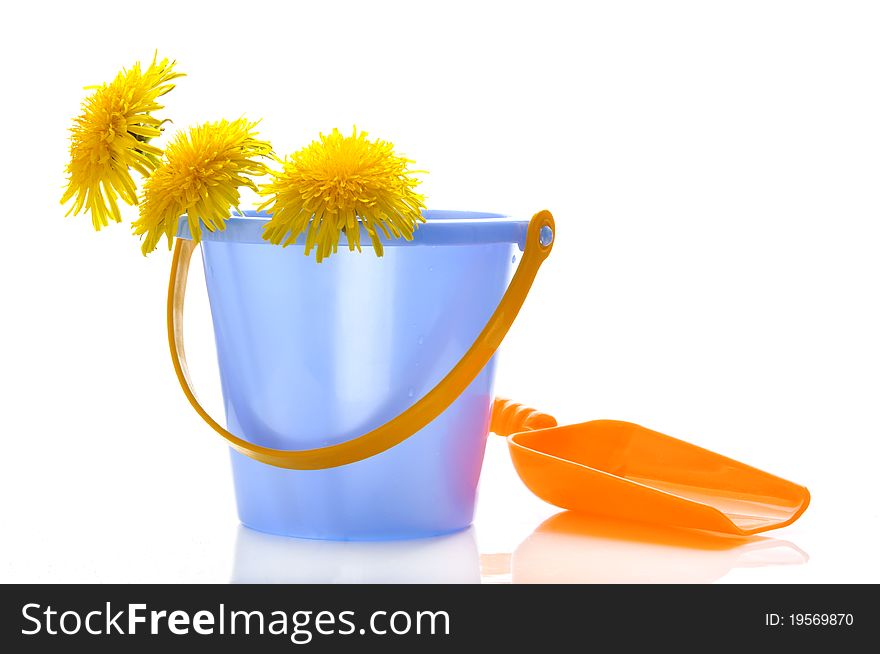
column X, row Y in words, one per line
column 623, row 470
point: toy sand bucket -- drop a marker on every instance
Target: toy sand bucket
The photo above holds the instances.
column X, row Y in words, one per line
column 358, row 392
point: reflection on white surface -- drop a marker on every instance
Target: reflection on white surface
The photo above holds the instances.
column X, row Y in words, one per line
column 572, row 548
column 264, row 558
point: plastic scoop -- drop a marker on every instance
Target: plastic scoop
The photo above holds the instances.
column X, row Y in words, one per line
column 623, row 470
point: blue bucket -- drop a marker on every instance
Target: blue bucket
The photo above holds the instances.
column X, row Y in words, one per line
column 312, row 355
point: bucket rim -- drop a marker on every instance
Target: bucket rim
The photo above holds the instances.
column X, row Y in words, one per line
column 442, row 227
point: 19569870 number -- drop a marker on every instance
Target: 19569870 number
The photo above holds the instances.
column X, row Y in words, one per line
column 809, row 620
column 821, row 619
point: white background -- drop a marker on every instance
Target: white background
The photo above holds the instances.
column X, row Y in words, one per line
column 713, row 169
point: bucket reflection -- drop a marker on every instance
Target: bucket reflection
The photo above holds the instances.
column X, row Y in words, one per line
column 574, row 548
column 265, row 558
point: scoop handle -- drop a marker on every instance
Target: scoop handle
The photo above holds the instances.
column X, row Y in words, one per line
column 508, row 418
column 538, row 243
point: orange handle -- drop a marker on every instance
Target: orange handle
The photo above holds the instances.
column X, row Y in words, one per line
column 420, row 414
column 508, row 418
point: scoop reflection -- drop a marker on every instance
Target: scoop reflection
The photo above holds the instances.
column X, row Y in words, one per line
column 574, row 548
column 264, row 558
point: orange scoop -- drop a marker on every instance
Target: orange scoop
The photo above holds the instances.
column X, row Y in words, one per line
column 623, row 470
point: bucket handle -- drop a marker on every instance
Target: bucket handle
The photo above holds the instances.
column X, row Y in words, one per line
column 539, row 242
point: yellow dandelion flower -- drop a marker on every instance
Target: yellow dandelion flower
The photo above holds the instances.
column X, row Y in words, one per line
column 111, row 137
column 200, row 176
column 336, row 183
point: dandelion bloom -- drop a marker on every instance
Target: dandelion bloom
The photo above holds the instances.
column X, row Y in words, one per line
column 111, row 137
column 200, row 176
column 336, row 183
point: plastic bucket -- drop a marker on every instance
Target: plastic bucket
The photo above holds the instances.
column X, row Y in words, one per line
column 313, row 355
